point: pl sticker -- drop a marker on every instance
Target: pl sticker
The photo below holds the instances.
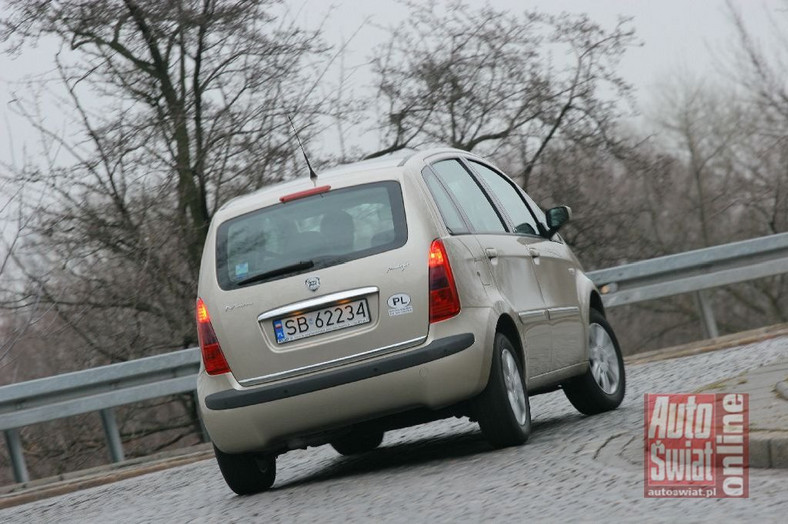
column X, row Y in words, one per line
column 399, row 304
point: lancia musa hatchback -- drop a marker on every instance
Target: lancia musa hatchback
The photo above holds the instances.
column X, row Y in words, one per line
column 385, row 294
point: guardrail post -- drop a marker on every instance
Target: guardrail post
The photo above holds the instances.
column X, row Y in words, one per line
column 14, row 444
column 707, row 315
column 113, row 435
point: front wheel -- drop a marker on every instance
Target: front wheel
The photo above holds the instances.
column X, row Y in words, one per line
column 246, row 473
column 502, row 409
column 601, row 387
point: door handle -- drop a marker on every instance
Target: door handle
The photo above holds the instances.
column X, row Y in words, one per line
column 533, row 252
column 491, row 252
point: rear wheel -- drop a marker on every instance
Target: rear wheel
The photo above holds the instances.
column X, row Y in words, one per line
column 503, row 409
column 246, row 473
column 355, row 442
column 601, row 387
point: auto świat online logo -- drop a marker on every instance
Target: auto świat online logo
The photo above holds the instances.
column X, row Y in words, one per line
column 696, row 445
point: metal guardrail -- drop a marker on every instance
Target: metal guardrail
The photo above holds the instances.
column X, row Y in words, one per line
column 694, row 271
column 103, row 388
column 97, row 389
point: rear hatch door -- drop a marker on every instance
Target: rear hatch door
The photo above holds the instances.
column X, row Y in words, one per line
column 321, row 281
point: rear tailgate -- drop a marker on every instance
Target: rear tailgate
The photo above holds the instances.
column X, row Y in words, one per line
column 365, row 296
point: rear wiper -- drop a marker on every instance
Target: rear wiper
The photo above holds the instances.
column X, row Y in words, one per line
column 305, row 264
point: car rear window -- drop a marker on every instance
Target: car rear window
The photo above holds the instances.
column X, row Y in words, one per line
column 310, row 233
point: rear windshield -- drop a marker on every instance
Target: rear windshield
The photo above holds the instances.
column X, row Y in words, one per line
column 310, row 233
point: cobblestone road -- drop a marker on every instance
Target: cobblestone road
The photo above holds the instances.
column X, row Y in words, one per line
column 444, row 472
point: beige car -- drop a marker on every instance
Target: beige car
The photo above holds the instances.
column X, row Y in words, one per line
column 385, row 294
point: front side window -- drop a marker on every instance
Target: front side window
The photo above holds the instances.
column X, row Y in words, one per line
column 310, row 233
column 469, row 196
column 510, row 199
column 540, row 216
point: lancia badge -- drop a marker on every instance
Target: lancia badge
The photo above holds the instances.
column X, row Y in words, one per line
column 312, row 283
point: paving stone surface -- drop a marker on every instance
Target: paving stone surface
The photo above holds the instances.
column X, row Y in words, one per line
column 573, row 468
column 768, row 411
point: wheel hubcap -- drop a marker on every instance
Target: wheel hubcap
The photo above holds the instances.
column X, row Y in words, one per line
column 514, row 387
column 603, row 359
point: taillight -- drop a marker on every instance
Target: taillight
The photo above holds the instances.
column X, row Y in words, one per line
column 212, row 356
column 444, row 301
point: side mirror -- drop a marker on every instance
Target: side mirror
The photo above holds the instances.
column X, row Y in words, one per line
column 556, row 218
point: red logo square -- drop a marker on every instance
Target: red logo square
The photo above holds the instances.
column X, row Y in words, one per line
column 696, row 445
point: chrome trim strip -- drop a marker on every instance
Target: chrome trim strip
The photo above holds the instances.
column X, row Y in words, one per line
column 333, row 363
column 316, row 302
column 537, row 314
column 563, row 312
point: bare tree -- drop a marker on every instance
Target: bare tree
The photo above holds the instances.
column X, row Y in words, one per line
column 13, row 228
column 488, row 80
column 720, row 186
column 175, row 107
column 760, row 72
column 709, row 130
column 179, row 106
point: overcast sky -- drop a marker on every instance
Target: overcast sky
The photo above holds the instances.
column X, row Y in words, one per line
column 677, row 35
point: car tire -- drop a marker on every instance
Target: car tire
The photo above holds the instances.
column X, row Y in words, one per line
column 502, row 409
column 246, row 473
column 601, row 388
column 354, row 442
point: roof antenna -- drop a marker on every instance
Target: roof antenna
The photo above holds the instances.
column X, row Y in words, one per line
column 312, row 174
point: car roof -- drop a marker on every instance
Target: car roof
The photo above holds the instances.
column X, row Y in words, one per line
column 392, row 166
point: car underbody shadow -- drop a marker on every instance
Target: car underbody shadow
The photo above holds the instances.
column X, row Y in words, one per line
column 398, row 455
column 465, row 442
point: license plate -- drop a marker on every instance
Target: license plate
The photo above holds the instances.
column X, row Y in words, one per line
column 339, row 316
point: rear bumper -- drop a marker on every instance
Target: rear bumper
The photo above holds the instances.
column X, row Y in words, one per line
column 444, row 347
column 452, row 365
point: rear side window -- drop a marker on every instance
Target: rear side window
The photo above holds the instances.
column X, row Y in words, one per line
column 469, row 196
column 310, row 233
column 451, row 217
